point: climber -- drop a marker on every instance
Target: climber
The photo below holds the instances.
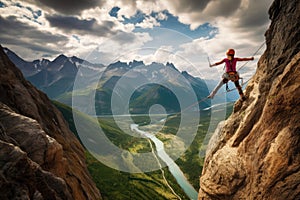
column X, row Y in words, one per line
column 231, row 73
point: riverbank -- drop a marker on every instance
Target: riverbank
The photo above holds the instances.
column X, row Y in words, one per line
column 173, row 167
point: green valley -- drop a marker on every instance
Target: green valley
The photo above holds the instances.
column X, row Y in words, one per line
column 122, row 185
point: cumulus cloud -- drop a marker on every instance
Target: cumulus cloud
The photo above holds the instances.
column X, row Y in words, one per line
column 240, row 23
column 148, row 22
column 53, row 34
column 193, row 12
column 130, row 39
column 162, row 16
column 122, row 46
column 163, row 54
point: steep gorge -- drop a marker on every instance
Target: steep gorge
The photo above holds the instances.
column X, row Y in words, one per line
column 256, row 155
column 40, row 158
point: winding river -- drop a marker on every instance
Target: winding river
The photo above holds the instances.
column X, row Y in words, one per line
column 173, row 167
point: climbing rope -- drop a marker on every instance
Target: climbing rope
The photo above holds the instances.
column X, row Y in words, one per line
column 261, row 46
column 204, row 99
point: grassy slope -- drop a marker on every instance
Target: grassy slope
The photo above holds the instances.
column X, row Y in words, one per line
column 114, row 184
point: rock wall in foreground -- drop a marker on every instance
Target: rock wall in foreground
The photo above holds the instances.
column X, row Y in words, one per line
column 40, row 158
column 257, row 153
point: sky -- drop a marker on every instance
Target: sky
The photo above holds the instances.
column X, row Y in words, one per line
column 186, row 33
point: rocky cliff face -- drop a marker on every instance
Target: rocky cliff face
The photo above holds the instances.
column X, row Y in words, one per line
column 40, row 158
column 256, row 155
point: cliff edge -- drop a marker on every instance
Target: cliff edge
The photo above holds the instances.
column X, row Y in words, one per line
column 256, row 155
column 40, row 158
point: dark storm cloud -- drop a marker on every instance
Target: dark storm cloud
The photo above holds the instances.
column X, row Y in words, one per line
column 73, row 24
column 219, row 8
column 90, row 27
column 28, row 45
column 245, row 15
column 256, row 14
column 190, row 5
column 71, row 6
column 14, row 32
column 225, row 7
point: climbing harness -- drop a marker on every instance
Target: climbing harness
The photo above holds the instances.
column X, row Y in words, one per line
column 231, row 76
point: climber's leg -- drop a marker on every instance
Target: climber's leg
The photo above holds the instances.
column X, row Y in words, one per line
column 239, row 88
column 213, row 93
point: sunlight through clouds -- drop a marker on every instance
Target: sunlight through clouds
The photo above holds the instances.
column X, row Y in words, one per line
column 210, row 27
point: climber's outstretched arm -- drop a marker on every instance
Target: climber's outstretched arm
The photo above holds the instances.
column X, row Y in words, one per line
column 245, row 59
column 217, row 63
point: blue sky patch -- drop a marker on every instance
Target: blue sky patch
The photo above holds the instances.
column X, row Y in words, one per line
column 171, row 22
column 36, row 14
column 135, row 19
column 2, row 5
column 114, row 11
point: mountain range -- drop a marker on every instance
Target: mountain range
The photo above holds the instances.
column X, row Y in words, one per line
column 148, row 85
column 52, row 77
